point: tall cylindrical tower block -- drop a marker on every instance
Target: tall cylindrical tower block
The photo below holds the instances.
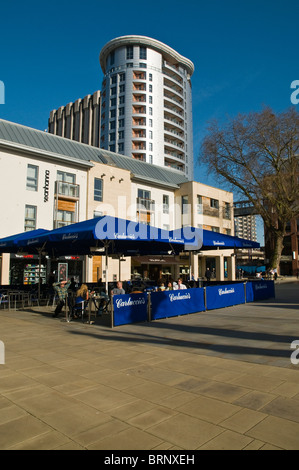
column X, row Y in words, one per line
column 147, row 102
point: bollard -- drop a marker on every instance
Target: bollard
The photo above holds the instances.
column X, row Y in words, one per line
column 112, row 312
column 149, row 306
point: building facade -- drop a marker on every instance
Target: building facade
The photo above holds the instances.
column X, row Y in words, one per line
column 245, row 227
column 144, row 109
column 78, row 121
column 50, row 181
column 147, row 102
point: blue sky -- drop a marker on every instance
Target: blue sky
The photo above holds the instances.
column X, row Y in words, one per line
column 245, row 53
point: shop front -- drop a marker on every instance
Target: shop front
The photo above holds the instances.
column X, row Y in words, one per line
column 157, row 267
column 26, row 270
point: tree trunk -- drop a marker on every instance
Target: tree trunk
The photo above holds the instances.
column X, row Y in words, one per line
column 275, row 249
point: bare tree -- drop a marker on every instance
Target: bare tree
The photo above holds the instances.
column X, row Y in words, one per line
column 258, row 155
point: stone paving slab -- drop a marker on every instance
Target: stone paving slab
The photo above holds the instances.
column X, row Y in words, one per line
column 221, row 379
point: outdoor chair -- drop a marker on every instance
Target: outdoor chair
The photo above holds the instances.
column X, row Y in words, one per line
column 4, row 301
column 79, row 309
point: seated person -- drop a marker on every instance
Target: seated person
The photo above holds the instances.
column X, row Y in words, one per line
column 118, row 290
column 169, row 286
column 179, row 285
column 82, row 296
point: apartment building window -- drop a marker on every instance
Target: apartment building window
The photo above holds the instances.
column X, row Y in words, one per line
column 30, row 218
column 130, row 52
column 122, row 77
column 142, row 53
column 112, row 125
column 150, row 147
column 98, row 189
column 150, row 111
column 184, row 204
column 121, row 123
column 32, row 177
column 112, row 113
column 150, row 122
column 145, row 207
column 214, row 203
column 113, row 79
column 121, row 147
column 122, row 88
column 150, row 100
column 64, row 218
column 112, row 57
column 121, row 99
column 113, row 91
column 66, row 177
column 121, row 134
column 150, row 77
column 226, row 212
column 144, row 194
column 112, row 148
column 199, row 204
column 112, row 137
column 165, row 204
column 150, row 88
column 121, row 111
column 113, row 102
column 150, row 134
column 215, row 229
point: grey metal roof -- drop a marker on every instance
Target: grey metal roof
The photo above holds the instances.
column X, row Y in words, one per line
column 40, row 140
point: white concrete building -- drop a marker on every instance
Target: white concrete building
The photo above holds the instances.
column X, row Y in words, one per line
column 147, row 102
column 47, row 181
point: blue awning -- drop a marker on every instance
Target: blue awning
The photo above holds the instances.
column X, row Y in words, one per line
column 110, row 235
column 14, row 243
column 201, row 239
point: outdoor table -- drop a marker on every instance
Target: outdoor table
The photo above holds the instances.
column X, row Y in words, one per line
column 96, row 301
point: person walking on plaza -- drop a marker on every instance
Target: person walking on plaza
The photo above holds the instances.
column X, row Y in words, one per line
column 62, row 290
column 208, row 274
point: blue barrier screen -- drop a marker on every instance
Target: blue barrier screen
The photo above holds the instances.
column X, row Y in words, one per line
column 129, row 308
column 177, row 302
column 259, row 290
column 224, row 296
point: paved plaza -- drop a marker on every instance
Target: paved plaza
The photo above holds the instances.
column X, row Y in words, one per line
column 221, row 379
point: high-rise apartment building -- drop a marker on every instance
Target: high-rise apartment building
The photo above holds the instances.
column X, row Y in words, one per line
column 245, row 227
column 78, row 121
column 147, row 102
column 144, row 109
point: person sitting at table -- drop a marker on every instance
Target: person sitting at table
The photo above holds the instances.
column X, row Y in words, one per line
column 169, row 286
column 179, row 285
column 118, row 290
column 82, row 296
